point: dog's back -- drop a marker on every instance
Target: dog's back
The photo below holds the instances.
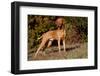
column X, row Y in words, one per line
column 55, row 34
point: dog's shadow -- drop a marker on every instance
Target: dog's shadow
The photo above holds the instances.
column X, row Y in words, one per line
column 70, row 48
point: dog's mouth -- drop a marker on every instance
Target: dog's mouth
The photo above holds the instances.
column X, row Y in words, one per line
column 60, row 26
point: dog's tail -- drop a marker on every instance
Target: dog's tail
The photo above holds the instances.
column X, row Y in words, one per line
column 40, row 38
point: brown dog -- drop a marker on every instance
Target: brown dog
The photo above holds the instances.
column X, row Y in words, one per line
column 49, row 36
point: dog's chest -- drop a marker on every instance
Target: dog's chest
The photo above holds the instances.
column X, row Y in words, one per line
column 56, row 36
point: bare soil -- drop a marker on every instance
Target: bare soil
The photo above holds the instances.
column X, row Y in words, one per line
column 73, row 51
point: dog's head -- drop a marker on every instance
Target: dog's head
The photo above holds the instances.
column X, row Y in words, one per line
column 59, row 22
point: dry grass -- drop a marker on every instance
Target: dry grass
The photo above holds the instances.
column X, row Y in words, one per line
column 73, row 51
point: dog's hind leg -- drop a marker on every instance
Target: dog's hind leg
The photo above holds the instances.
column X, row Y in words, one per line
column 49, row 43
column 41, row 46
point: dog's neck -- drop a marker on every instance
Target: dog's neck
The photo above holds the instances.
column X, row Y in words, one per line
column 60, row 27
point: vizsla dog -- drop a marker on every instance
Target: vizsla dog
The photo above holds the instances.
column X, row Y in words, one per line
column 49, row 36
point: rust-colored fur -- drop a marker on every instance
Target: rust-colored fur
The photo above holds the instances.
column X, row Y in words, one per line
column 49, row 36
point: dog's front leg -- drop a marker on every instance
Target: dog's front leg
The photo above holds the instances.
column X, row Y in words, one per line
column 59, row 45
column 64, row 45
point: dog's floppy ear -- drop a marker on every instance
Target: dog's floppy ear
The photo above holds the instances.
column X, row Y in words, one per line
column 59, row 22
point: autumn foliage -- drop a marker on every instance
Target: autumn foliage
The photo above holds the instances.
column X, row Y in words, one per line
column 76, row 28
